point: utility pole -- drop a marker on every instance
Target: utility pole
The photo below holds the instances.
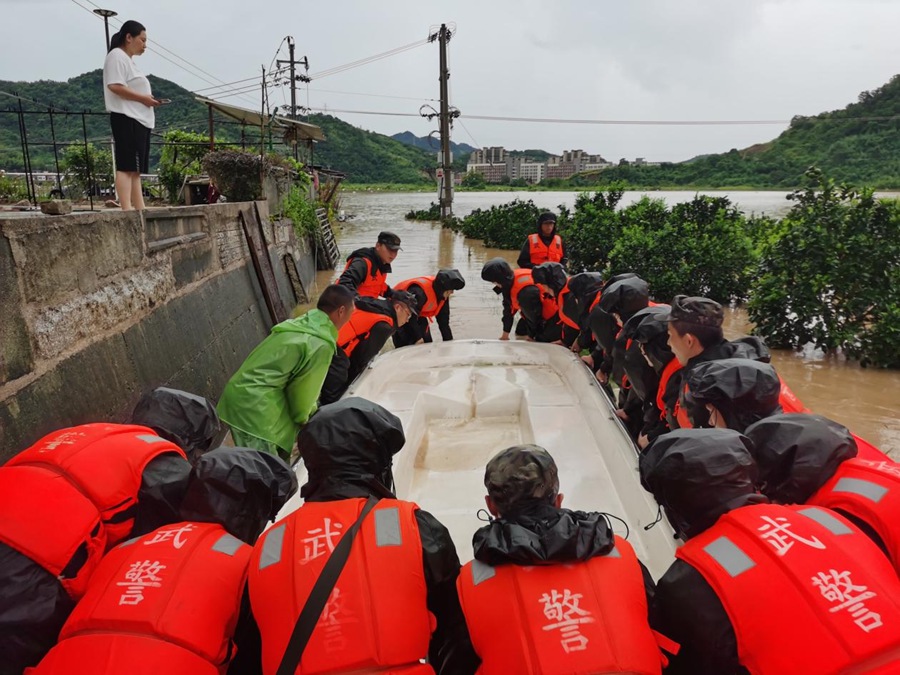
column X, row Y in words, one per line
column 446, row 199
column 292, row 64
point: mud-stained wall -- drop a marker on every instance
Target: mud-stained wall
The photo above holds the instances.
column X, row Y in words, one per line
column 96, row 308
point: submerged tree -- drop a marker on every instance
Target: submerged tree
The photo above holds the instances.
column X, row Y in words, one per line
column 830, row 274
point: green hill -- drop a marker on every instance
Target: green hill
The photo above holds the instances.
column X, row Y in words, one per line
column 859, row 144
column 365, row 156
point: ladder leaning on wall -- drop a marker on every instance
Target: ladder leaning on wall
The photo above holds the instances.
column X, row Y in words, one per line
column 327, row 252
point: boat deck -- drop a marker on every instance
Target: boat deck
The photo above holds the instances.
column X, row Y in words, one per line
column 463, row 401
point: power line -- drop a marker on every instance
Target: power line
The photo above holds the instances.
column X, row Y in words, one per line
column 368, row 60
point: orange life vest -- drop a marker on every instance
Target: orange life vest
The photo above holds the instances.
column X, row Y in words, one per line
column 375, row 283
column 376, row 619
column 868, row 490
column 570, row 321
column 521, row 278
column 539, row 252
column 47, row 519
column 432, row 305
column 671, row 368
column 167, row 602
column 588, row 617
column 105, row 462
column 358, row 328
column 806, row 592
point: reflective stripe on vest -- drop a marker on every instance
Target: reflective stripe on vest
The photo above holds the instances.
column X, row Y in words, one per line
column 387, row 527
column 539, row 252
column 272, row 546
column 227, row 544
column 805, row 591
column 481, row 572
column 732, row 559
column 863, row 488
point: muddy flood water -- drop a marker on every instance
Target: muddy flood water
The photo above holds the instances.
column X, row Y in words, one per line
column 865, row 400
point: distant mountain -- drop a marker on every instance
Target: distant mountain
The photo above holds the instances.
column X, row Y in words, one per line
column 859, row 144
column 431, row 144
column 365, row 156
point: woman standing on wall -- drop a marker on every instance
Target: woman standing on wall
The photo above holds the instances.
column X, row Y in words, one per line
column 126, row 92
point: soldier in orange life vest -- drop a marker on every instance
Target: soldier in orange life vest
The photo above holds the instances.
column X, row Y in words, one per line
column 391, row 602
column 367, row 268
column 169, row 601
column 545, row 245
column 541, row 310
column 538, row 566
column 695, row 336
column 758, row 587
column 78, row 492
column 576, row 300
column 809, row 459
column 362, row 337
column 510, row 284
column 731, row 393
column 649, row 367
column 432, row 296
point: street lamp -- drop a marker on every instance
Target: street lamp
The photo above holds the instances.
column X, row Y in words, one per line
column 106, row 13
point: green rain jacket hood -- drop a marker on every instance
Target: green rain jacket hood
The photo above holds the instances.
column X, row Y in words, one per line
column 275, row 391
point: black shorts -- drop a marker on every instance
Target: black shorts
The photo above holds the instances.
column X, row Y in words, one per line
column 132, row 141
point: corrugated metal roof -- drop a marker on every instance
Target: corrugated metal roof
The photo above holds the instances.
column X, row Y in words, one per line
column 306, row 131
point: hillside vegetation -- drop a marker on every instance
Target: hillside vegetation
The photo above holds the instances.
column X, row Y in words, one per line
column 859, row 144
column 365, row 156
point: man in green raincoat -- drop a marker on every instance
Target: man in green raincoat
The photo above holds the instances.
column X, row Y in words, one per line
column 275, row 390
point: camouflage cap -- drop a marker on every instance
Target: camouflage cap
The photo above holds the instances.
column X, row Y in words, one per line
column 408, row 299
column 696, row 310
column 521, row 473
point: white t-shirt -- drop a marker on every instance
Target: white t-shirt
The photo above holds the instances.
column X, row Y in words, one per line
column 119, row 68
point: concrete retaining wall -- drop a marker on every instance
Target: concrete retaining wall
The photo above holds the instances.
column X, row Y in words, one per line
column 99, row 307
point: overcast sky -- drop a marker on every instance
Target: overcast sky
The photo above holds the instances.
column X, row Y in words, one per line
column 570, row 59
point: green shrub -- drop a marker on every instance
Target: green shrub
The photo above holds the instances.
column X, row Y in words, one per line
column 302, row 212
column 433, row 212
column 82, row 164
column 12, row 189
column 181, row 156
column 830, row 276
column 505, row 226
column 592, row 230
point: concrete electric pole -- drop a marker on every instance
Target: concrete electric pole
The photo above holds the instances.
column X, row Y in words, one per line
column 446, row 199
column 292, row 64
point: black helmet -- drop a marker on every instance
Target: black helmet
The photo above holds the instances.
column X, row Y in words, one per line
column 625, row 297
column 798, row 453
column 644, row 329
column 239, row 488
column 698, row 475
column 187, row 420
column 498, row 271
column 448, row 280
column 742, row 390
column 408, row 299
column 550, row 274
column 350, row 442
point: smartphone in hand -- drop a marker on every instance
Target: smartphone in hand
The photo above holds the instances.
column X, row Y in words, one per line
column 163, row 101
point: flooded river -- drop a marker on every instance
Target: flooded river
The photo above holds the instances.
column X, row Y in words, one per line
column 867, row 401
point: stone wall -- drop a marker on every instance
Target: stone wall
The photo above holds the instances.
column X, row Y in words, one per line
column 99, row 307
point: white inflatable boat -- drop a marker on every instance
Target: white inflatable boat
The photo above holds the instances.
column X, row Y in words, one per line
column 463, row 401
